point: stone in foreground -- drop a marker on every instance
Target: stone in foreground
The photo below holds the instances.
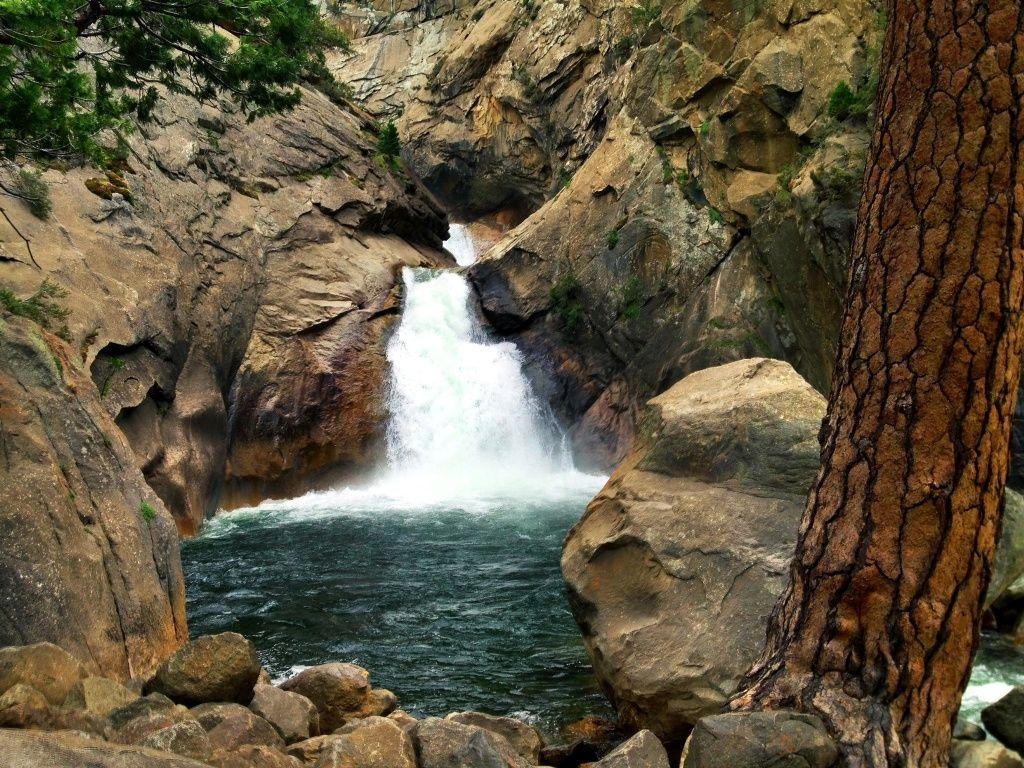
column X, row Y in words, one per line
column 50, row 670
column 691, row 538
column 983, row 754
column 99, row 696
column 376, row 742
column 1005, row 719
column 32, row 749
column 292, row 714
column 339, row 691
column 211, row 668
column 447, row 744
column 643, row 750
column 759, row 740
column 524, row 738
column 186, row 738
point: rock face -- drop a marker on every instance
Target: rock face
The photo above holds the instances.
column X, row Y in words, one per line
column 760, row 740
column 90, row 557
column 689, row 190
column 292, row 714
column 1005, row 719
column 211, row 668
column 690, row 539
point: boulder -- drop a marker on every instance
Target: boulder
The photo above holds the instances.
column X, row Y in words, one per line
column 690, row 540
column 643, row 750
column 1005, row 719
column 983, row 754
column 525, row 739
column 186, row 738
column 403, row 718
column 1009, row 563
column 212, row 668
column 50, row 670
column 292, row 714
column 32, row 749
column 99, row 696
column 22, row 706
column 252, row 756
column 153, row 703
column 137, row 730
column 211, row 715
column 339, row 691
column 239, row 729
column 448, row 744
column 375, row 743
column 776, row 739
column 968, row 731
column 381, row 702
column 308, row 752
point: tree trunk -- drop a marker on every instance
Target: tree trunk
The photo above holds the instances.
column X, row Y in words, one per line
column 878, row 626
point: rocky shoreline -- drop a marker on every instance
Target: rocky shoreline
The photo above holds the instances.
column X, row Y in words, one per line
column 212, row 704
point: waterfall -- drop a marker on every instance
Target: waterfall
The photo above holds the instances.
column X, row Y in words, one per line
column 464, row 419
column 460, row 245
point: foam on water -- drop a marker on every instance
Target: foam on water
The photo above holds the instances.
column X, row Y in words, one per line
column 460, row 245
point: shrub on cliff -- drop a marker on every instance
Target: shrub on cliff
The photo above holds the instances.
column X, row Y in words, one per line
column 60, row 87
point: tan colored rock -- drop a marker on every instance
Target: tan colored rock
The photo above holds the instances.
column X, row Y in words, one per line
column 340, row 692
column 211, row 668
column 186, row 738
column 308, row 752
column 448, row 744
column 690, row 539
column 22, row 706
column 524, row 738
column 99, row 695
column 252, row 756
column 376, row 742
column 240, row 729
column 213, row 714
column 983, row 754
column 50, row 670
column 293, row 715
column 32, row 749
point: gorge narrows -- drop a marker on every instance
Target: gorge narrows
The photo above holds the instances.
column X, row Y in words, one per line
column 441, row 575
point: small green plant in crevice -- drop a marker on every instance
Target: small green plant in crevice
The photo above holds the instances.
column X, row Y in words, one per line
column 564, row 179
column 389, row 145
column 613, row 239
column 645, row 15
column 114, row 365
column 716, row 215
column 147, row 512
column 42, row 307
column 531, row 90
column 705, row 127
column 566, row 300
column 532, row 8
column 631, row 298
column 30, row 187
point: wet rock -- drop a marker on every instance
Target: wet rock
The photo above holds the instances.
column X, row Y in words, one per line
column 525, row 739
column 99, row 696
column 448, row 744
column 641, row 751
column 212, row 668
column 238, row 729
column 968, row 731
column 50, row 670
column 339, row 691
column 186, row 738
column 691, row 539
column 292, row 714
column 376, row 742
column 31, row 749
column 759, row 740
column 1005, row 719
column 983, row 754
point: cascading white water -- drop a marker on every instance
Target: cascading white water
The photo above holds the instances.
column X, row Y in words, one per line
column 460, row 245
column 464, row 420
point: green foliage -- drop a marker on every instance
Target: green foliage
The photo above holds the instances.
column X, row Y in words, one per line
column 113, row 366
column 613, row 239
column 388, row 144
column 842, row 101
column 147, row 512
column 522, row 75
column 566, row 300
column 716, row 216
column 631, row 298
column 30, row 187
column 532, row 8
column 705, row 127
column 42, row 307
column 57, row 94
column 840, row 180
column 644, row 15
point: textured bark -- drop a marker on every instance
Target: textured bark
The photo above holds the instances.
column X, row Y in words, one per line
column 879, row 624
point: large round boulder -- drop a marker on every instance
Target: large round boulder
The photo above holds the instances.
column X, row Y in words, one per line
column 677, row 563
column 339, row 691
column 50, row 670
column 221, row 667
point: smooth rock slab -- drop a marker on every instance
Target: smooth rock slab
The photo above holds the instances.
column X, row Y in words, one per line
column 293, row 715
column 983, row 754
column 240, row 729
column 447, row 744
column 643, row 750
column 524, row 738
column 99, row 696
column 212, row 668
column 50, row 670
column 1005, row 719
column 35, row 749
column 759, row 740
